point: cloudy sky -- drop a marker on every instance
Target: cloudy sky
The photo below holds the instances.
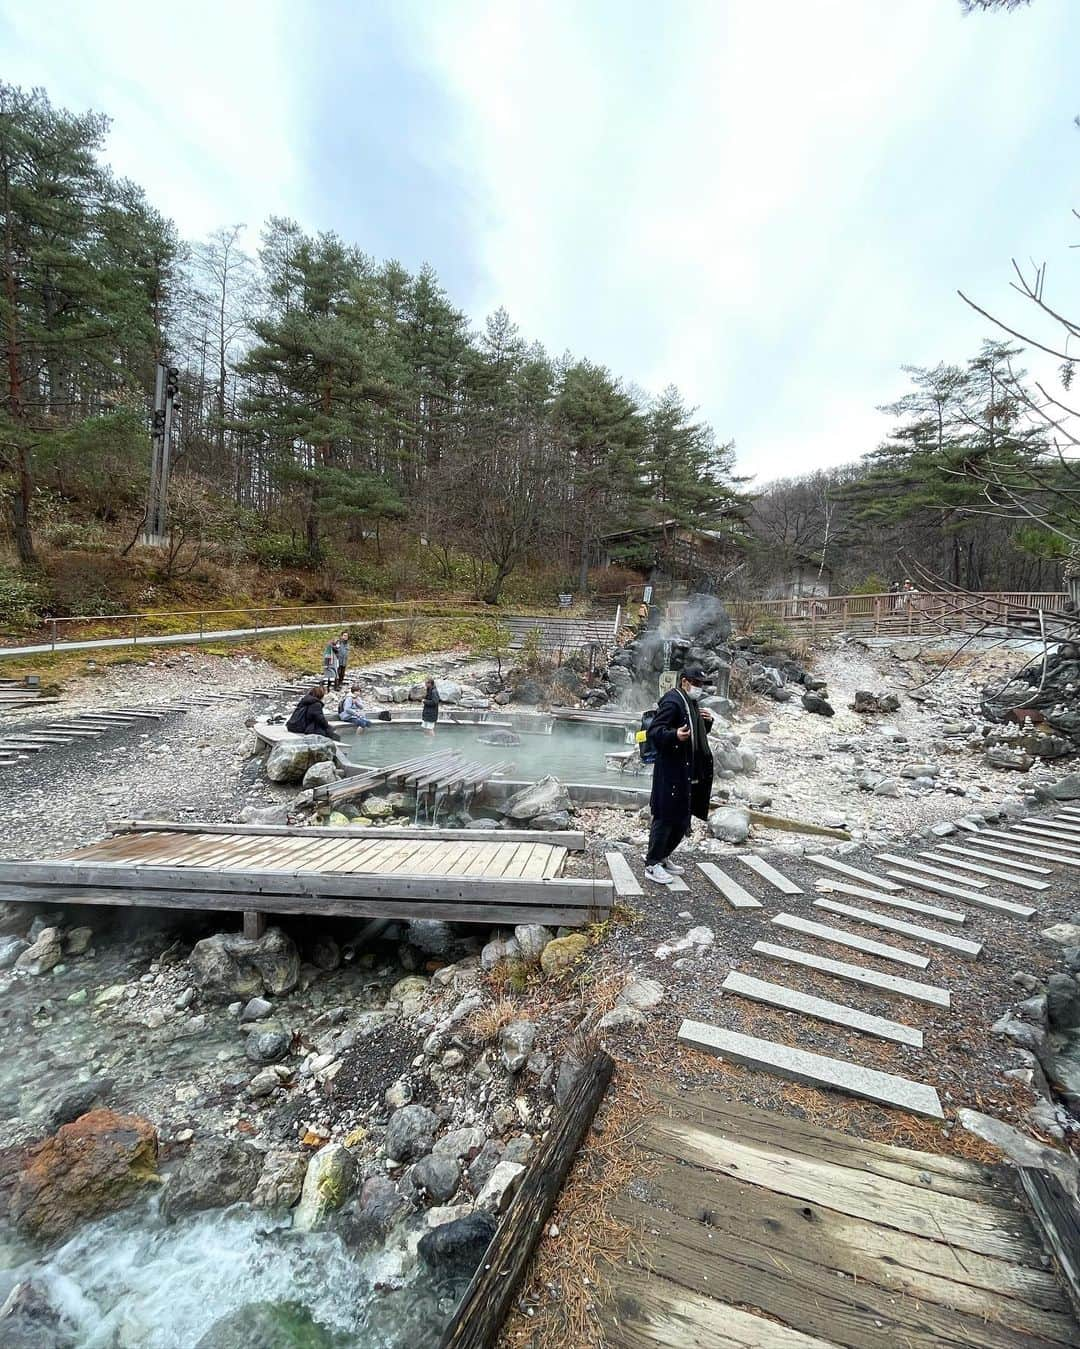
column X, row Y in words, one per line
column 770, row 203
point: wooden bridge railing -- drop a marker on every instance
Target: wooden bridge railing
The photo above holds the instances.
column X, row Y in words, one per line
column 893, row 614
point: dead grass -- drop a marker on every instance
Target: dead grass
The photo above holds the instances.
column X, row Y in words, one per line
column 486, row 1022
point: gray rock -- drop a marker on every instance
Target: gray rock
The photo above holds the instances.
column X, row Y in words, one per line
column 730, row 823
column 485, row 1161
column 500, row 1188
column 519, row 1149
column 376, row 1209
column 322, row 774
column 920, row 770
column 267, row 1045
column 1063, row 1002
column 460, row 1143
column 1020, row 1149
column 228, row 966
column 1065, row 789
column 325, row 954
column 515, row 1044
column 814, row 702
column 77, row 1101
column 545, row 797
column 264, row 815
column 77, row 940
column 11, row 948
column 289, row 760
column 43, row 955
column 256, row 1010
column 1001, row 756
column 215, row 1173
column 265, row 1082
column 887, row 787
column 498, row 950
column 1025, row 1033
column 531, row 939
column 437, row 1176
column 454, row 1250
column 1066, row 934
column 943, row 828
column 281, row 1179
column 644, row 994
column 410, row 1133
column 620, row 1017
column 328, row 1182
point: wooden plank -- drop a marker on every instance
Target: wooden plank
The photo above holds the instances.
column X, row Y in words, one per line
column 970, row 950
column 981, row 855
column 814, row 1070
column 536, row 867
column 924, row 869
column 1057, row 1221
column 556, row 862
column 792, row 1000
column 833, row 864
column 563, row 838
column 768, row 873
column 807, row 928
column 626, row 883
column 983, row 901
column 1024, row 882
column 730, row 888
column 480, row 1314
column 857, row 974
column 893, row 901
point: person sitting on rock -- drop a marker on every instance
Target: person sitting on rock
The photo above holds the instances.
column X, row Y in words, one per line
column 352, row 709
column 682, row 773
column 308, row 717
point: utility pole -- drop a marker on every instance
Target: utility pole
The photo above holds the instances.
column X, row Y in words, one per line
column 166, row 398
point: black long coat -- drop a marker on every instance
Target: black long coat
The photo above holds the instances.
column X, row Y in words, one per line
column 683, row 771
column 308, row 718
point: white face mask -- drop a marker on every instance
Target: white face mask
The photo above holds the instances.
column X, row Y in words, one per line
column 694, row 693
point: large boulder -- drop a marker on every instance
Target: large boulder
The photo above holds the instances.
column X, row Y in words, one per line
column 562, row 953
column 289, row 760
column 730, row 823
column 454, row 1250
column 321, row 774
column 546, row 797
column 331, row 1175
column 410, row 1133
column 45, row 953
column 281, row 1179
column 448, row 690
column 216, row 1172
column 228, row 966
column 86, row 1169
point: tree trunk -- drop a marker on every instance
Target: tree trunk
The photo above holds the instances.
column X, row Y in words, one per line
column 23, row 496
column 583, row 566
column 20, row 511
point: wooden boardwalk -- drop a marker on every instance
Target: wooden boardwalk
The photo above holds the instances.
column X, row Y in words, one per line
column 280, row 870
column 755, row 1231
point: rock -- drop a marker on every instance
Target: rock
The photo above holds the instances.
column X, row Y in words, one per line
column 1065, row 789
column 228, row 966
column 215, row 1173
column 1060, row 1060
column 730, row 823
column 78, row 1100
column 264, row 1083
column 322, row 774
column 1063, row 1002
column 330, row 1177
column 86, row 1169
column 268, row 1325
column 77, row 940
column 267, row 1044
column 644, row 994
column 887, row 787
column 29, row 1320
column 546, row 797
column 410, row 1133
column 1020, row 1149
column 373, row 1213
column 454, row 1250
column 1028, row 1034
column 410, row 991
column 515, row 1044
column 11, row 948
column 325, row 954
column 1066, row 934
column 519, row 1149
column 184, row 999
column 399, row 1094
column 920, row 770
column 562, row 953
column 943, row 829
column 498, row 950
column 264, row 815
column 256, row 1009
column 281, row 1179
column 620, row 1017
column 500, row 1188
column 460, row 1143
column 485, row 1162
column 531, row 939
column 438, row 1176
column 45, row 953
column 814, row 702
column 289, row 760
column 1001, row 756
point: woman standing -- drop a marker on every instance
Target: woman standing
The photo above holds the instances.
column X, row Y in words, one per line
column 429, row 712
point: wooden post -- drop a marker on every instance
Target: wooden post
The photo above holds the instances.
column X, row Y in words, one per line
column 479, row 1317
column 254, row 924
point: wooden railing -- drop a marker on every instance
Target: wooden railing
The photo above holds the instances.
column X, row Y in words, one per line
column 895, row 614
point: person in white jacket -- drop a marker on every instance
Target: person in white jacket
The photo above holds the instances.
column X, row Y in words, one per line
column 352, row 709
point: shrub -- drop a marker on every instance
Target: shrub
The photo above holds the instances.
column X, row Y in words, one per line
column 20, row 600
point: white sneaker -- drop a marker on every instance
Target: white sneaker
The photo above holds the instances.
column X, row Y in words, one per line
column 673, row 867
column 659, row 874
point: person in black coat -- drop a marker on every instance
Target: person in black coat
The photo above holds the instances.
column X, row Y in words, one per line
column 429, row 709
column 682, row 773
column 308, row 717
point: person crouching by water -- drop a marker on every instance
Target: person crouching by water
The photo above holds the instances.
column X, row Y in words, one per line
column 352, row 709
column 429, row 712
column 682, row 773
column 308, row 716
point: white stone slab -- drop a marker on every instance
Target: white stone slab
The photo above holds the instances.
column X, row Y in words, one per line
column 808, row 928
column 998, row 845
column 821, row 860
column 1063, row 842
column 626, row 883
column 815, row 1070
column 1065, row 826
column 1010, row 877
column 983, row 901
column 678, row 886
column 857, row 974
column 829, row 886
column 970, row 950
column 983, row 855
column 767, row 873
column 791, row 1000
column 909, row 865
column 732, row 891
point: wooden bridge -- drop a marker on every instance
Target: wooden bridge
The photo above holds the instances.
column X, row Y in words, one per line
column 496, row 877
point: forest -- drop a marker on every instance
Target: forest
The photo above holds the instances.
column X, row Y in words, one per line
column 343, row 430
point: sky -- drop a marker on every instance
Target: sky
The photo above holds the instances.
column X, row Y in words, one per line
column 769, row 203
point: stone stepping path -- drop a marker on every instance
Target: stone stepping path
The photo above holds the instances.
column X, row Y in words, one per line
column 893, row 901
column 813, row 1070
column 1056, row 823
column 857, row 974
column 770, row 874
column 970, row 950
column 626, row 883
column 982, row 901
column 1053, row 837
column 791, row 1000
column 909, row 864
column 822, row 860
column 730, row 888
column 1045, row 854
column 1024, row 882
column 807, row 928
column 981, row 855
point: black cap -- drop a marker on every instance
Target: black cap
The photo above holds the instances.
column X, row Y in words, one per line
column 694, row 674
